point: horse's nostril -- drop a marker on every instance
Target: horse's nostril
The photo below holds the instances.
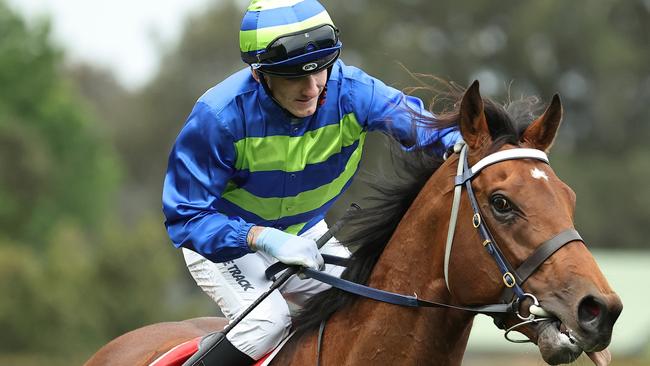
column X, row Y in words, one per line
column 591, row 308
column 590, row 311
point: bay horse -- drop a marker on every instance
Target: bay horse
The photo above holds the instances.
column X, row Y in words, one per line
column 511, row 201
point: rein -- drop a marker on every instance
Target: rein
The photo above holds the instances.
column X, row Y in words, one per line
column 512, row 296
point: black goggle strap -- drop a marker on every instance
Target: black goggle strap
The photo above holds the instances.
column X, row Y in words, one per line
column 298, row 70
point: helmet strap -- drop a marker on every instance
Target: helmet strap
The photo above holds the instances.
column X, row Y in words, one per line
column 323, row 94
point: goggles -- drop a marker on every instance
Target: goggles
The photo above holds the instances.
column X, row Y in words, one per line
column 300, row 53
column 296, row 44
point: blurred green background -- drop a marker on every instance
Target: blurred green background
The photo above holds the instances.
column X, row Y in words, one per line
column 84, row 255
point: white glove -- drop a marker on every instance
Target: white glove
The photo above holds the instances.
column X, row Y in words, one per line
column 289, row 249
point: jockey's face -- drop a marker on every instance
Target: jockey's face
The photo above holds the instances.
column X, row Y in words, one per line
column 300, row 95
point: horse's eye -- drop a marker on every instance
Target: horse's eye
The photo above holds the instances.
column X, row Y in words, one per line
column 501, row 204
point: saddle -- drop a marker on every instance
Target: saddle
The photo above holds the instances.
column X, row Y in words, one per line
column 182, row 352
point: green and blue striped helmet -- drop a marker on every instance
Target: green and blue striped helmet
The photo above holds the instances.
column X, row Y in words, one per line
column 289, row 38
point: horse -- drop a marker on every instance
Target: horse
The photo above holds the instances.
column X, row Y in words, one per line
column 508, row 201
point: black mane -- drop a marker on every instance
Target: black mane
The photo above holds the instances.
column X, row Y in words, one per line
column 369, row 230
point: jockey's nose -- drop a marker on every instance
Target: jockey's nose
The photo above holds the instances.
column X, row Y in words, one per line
column 310, row 87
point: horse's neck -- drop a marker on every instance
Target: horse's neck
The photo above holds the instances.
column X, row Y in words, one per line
column 411, row 263
column 413, row 259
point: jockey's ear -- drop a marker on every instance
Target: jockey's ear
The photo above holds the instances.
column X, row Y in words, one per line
column 473, row 124
column 541, row 133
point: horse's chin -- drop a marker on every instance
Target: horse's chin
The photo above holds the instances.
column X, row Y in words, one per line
column 558, row 346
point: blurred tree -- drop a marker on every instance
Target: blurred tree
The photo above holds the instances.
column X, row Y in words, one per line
column 75, row 296
column 73, row 273
column 115, row 108
column 55, row 165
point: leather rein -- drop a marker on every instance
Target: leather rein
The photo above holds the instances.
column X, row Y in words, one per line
column 513, row 278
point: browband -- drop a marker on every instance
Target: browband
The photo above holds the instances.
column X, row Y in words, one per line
column 511, row 154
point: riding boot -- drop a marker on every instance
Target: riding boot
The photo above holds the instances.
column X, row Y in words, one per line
column 216, row 350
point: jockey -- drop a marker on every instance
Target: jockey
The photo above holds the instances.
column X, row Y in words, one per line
column 263, row 155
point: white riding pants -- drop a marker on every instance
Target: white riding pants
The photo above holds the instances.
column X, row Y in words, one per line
column 235, row 284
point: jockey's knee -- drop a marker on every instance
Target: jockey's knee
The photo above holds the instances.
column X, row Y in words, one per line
column 275, row 326
column 263, row 329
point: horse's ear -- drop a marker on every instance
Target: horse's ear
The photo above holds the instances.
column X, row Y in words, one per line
column 541, row 133
column 473, row 125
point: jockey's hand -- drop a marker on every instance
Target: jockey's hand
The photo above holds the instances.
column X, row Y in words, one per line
column 289, row 249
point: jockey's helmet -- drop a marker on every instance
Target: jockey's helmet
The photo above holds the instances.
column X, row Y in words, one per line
column 288, row 38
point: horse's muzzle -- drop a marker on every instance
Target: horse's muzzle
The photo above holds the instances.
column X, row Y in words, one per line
column 596, row 317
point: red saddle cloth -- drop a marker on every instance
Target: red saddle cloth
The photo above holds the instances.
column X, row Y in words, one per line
column 179, row 354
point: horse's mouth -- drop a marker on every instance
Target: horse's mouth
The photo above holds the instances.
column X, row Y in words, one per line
column 558, row 344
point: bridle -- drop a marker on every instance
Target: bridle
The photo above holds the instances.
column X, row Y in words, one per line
column 513, row 278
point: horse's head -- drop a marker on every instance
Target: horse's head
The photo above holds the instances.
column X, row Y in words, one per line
column 524, row 204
